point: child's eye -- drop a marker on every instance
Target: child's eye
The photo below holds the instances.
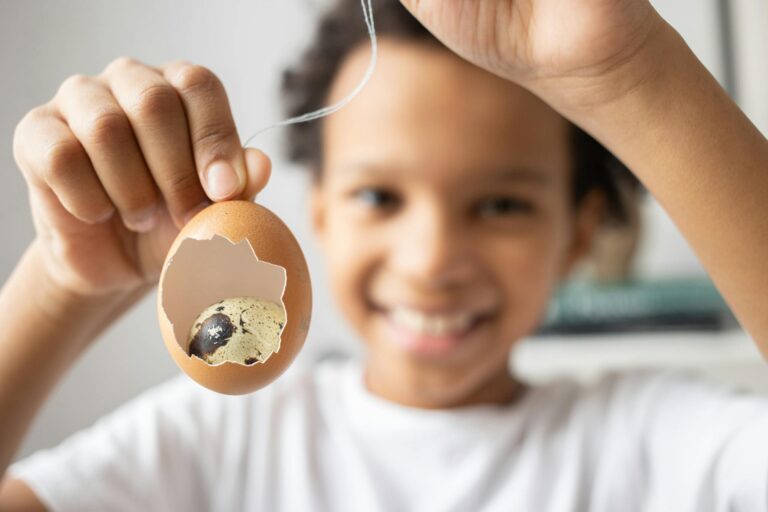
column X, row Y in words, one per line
column 376, row 197
column 502, row 206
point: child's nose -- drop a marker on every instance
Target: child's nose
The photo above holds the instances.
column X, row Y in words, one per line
column 433, row 251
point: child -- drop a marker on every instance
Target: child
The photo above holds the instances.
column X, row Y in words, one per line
column 450, row 202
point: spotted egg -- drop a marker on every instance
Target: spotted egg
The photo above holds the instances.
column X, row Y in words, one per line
column 238, row 329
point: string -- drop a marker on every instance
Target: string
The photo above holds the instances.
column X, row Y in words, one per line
column 326, row 111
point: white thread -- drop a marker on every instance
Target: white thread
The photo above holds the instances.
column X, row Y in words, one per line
column 326, row 111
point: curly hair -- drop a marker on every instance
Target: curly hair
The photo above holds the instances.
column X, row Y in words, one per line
column 306, row 87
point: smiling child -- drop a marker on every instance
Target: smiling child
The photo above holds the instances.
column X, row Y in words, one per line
column 450, row 199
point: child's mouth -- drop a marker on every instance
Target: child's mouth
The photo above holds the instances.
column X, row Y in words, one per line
column 430, row 334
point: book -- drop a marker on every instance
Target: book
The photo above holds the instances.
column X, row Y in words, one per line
column 582, row 307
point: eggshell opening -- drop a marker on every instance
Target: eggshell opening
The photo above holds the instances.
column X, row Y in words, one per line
column 202, row 272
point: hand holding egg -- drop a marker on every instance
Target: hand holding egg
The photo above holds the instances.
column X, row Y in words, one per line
column 117, row 163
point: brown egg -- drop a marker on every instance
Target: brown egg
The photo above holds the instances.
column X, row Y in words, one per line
column 234, row 249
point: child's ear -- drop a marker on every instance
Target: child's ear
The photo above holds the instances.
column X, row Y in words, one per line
column 589, row 215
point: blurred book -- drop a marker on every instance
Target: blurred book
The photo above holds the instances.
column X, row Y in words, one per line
column 583, row 307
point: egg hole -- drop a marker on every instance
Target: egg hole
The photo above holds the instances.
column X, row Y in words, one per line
column 204, row 272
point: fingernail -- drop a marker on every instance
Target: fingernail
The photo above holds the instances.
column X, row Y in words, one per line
column 145, row 220
column 222, row 181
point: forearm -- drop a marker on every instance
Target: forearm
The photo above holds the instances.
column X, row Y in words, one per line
column 44, row 330
column 699, row 155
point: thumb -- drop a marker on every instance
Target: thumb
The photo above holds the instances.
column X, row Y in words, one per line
column 258, row 170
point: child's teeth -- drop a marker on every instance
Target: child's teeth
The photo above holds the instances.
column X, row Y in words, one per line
column 434, row 325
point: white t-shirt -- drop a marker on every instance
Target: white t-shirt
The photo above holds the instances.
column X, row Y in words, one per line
column 318, row 440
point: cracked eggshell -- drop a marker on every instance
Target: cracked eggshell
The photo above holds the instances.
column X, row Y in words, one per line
column 230, row 249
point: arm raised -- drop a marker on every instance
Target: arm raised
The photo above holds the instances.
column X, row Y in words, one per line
column 618, row 70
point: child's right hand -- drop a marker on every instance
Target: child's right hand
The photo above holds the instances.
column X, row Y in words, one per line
column 117, row 163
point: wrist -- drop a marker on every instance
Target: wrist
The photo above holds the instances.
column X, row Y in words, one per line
column 640, row 66
column 46, row 327
column 62, row 305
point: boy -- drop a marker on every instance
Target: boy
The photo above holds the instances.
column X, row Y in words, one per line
column 445, row 202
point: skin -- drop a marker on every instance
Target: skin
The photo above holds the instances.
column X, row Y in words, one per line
column 611, row 66
column 448, row 202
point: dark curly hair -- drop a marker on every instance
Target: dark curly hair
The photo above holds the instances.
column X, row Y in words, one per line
column 306, row 86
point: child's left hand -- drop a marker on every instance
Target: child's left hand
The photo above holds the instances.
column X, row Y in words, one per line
column 541, row 44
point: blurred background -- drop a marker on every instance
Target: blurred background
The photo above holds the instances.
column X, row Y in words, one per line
column 615, row 313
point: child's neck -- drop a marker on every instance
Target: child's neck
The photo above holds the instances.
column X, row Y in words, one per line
column 414, row 389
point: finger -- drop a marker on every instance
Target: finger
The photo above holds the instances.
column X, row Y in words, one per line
column 259, row 169
column 52, row 159
column 159, row 123
column 219, row 156
column 100, row 124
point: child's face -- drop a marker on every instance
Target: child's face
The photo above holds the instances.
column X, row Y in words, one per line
column 445, row 216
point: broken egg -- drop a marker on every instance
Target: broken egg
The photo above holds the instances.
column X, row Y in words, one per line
column 240, row 329
column 238, row 256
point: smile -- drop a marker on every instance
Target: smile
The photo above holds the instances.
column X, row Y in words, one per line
column 431, row 324
column 430, row 334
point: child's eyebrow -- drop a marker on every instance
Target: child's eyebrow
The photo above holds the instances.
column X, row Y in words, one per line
column 367, row 169
column 516, row 174
column 502, row 174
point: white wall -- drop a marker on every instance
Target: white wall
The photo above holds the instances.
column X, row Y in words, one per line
column 751, row 45
column 247, row 43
